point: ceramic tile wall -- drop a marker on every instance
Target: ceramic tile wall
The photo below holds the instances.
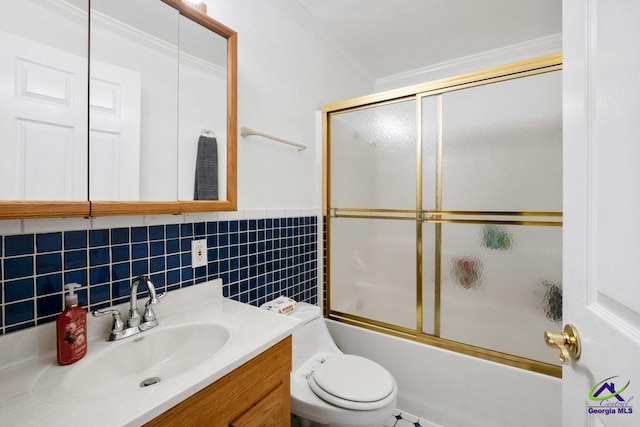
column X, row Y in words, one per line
column 257, row 259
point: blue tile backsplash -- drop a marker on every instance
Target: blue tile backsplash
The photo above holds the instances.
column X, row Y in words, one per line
column 257, row 260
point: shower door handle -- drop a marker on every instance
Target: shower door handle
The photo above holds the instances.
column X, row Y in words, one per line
column 568, row 343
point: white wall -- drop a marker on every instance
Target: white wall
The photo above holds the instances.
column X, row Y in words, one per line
column 286, row 73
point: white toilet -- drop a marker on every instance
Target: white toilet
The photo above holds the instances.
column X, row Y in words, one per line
column 331, row 388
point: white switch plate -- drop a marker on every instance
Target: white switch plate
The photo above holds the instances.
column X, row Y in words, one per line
column 199, row 253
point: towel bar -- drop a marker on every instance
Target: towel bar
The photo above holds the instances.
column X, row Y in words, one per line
column 244, row 131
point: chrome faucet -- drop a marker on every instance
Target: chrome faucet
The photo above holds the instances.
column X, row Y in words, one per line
column 133, row 326
column 134, row 314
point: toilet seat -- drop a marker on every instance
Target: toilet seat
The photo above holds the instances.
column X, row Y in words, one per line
column 353, row 382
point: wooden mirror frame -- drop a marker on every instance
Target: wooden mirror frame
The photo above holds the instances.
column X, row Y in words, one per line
column 69, row 209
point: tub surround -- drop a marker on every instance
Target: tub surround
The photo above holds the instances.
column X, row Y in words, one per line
column 32, row 358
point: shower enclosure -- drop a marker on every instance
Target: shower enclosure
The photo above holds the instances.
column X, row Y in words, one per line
column 443, row 206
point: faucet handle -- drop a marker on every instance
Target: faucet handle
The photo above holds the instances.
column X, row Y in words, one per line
column 155, row 300
column 149, row 315
column 118, row 324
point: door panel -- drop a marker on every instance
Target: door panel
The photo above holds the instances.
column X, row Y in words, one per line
column 373, row 153
column 501, row 287
column 602, row 200
column 373, row 272
column 269, row 411
column 114, row 141
column 43, row 123
column 502, row 146
column 46, row 159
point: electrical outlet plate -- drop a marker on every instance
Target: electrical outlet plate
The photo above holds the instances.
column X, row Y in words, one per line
column 198, row 253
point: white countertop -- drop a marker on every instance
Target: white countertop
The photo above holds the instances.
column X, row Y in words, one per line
column 28, row 363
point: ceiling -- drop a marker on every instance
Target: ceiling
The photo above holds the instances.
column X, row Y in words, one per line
column 388, row 37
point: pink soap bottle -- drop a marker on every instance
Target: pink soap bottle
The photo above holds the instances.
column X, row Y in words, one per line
column 71, row 327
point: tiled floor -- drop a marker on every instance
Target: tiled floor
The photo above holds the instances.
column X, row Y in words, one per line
column 398, row 419
column 403, row 419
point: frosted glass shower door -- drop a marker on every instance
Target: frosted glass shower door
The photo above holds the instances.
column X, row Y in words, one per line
column 502, row 146
column 373, row 271
column 444, row 212
column 372, row 207
column 491, row 237
column 373, row 157
column 501, row 287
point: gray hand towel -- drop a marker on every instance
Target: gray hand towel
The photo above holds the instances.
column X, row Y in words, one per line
column 206, row 182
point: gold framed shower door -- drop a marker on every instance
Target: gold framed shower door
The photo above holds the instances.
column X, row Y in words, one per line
column 438, row 216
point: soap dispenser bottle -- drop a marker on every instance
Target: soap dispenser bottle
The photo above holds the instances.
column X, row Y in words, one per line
column 71, row 327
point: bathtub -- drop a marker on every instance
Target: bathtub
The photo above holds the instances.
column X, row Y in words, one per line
column 455, row 390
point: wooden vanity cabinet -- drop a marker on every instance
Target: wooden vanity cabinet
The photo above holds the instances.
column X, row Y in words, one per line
column 254, row 395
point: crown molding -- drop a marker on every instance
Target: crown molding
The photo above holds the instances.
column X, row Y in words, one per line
column 491, row 58
column 132, row 34
column 126, row 31
column 64, row 9
column 200, row 64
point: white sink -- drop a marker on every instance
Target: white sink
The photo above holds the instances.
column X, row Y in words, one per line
column 144, row 360
column 202, row 337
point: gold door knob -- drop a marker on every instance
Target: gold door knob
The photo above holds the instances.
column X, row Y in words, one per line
column 568, row 343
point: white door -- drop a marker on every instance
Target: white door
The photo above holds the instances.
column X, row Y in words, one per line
column 601, row 50
column 43, row 122
column 114, row 132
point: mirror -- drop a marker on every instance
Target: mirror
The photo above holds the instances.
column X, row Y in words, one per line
column 43, row 104
column 162, row 79
column 202, row 124
column 177, row 83
column 223, row 117
column 133, row 101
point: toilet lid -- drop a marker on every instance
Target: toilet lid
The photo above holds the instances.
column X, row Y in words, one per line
column 354, row 378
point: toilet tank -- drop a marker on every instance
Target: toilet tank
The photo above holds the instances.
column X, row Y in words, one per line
column 312, row 337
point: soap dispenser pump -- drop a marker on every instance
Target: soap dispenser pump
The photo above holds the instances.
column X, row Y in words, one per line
column 71, row 327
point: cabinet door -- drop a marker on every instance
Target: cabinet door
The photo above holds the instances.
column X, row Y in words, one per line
column 230, row 400
column 270, row 411
column 43, row 109
column 134, row 101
